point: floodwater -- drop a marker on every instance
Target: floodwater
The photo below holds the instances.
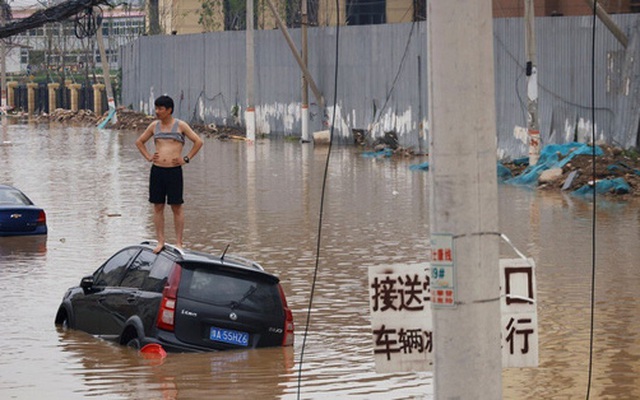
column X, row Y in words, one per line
column 263, row 200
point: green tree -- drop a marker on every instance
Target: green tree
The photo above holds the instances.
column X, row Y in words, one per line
column 215, row 13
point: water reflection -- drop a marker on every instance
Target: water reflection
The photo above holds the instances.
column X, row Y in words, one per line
column 263, row 201
column 110, row 370
column 23, row 246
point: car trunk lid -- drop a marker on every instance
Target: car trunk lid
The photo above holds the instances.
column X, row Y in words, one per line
column 222, row 308
column 19, row 219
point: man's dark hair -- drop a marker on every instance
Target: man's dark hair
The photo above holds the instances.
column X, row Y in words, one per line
column 164, row 101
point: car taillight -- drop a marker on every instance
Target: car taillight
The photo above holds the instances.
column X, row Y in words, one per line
column 167, row 311
column 42, row 218
column 287, row 339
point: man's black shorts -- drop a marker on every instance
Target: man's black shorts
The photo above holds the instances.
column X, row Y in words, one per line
column 165, row 185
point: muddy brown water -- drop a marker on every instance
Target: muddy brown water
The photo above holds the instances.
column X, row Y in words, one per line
column 263, row 200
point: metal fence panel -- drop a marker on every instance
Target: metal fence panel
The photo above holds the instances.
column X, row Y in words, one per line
column 381, row 86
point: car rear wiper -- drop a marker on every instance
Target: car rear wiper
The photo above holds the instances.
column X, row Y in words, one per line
column 235, row 304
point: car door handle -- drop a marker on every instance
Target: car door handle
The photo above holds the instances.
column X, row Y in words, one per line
column 132, row 299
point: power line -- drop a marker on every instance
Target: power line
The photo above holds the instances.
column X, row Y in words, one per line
column 59, row 12
column 322, row 197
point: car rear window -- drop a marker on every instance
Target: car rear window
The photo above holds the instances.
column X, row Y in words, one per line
column 222, row 288
column 13, row 197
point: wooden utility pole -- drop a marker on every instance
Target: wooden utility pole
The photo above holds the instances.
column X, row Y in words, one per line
column 296, row 55
column 609, row 23
column 533, row 127
column 305, row 86
column 464, row 193
column 250, row 113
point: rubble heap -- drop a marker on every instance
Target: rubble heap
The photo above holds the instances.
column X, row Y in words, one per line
column 127, row 119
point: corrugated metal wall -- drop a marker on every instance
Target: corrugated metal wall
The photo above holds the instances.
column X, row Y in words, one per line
column 379, row 87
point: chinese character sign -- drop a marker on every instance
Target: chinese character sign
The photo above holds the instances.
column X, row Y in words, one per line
column 519, row 314
column 442, row 271
column 399, row 297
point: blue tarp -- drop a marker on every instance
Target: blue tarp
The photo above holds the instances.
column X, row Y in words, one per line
column 622, row 168
column 376, row 154
column 550, row 158
column 617, row 186
column 503, row 172
column 420, row 167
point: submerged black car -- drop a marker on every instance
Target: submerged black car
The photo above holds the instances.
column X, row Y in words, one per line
column 182, row 300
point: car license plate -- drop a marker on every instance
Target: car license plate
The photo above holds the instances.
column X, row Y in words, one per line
column 229, row 336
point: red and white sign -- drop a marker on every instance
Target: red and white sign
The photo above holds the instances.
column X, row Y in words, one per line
column 443, row 271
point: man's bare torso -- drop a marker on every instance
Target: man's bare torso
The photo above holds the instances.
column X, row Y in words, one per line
column 168, row 150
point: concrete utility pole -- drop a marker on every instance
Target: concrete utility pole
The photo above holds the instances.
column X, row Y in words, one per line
column 533, row 127
column 106, row 73
column 250, row 113
column 305, row 87
column 463, row 193
column 3, row 62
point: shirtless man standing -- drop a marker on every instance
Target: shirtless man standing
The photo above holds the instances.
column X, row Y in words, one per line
column 165, row 180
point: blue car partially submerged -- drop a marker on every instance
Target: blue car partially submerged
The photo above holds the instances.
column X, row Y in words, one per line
column 18, row 215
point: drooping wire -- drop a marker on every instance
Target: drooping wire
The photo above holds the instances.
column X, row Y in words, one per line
column 322, row 197
column 593, row 217
column 395, row 79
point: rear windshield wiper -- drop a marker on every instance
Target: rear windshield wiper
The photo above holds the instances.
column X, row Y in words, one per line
column 236, row 304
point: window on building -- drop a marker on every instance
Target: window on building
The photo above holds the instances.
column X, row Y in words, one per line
column 366, row 12
column 24, row 56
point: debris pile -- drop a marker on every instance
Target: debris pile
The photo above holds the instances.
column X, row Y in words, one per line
column 129, row 119
column 570, row 167
column 81, row 117
column 385, row 146
column 136, row 121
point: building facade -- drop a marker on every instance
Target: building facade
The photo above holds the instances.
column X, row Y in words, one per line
column 56, row 46
column 196, row 16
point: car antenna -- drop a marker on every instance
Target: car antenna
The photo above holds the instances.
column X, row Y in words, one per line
column 224, row 252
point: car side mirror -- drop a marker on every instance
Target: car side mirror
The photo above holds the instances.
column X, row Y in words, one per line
column 87, row 282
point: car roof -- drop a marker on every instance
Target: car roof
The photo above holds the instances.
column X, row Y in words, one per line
column 9, row 187
column 227, row 260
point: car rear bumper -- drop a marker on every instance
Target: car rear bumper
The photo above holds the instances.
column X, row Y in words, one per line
column 37, row 231
column 170, row 343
